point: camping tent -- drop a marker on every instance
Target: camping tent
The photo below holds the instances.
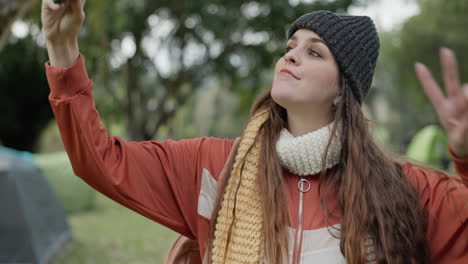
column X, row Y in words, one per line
column 33, row 223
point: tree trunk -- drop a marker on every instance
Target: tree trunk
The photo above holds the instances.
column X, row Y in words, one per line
column 133, row 130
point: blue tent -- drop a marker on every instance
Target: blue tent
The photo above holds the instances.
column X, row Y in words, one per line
column 33, row 223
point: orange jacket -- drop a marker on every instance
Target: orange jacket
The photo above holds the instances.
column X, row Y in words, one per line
column 175, row 182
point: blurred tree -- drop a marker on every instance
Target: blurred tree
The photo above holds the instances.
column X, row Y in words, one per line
column 147, row 58
column 439, row 23
column 10, row 10
column 24, row 108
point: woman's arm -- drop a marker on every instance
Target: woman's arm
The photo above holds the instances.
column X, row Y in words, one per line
column 159, row 180
column 444, row 200
column 461, row 166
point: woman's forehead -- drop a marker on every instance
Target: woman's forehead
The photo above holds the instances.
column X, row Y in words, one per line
column 307, row 35
column 304, row 34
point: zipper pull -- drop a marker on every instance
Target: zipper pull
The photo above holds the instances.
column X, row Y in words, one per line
column 303, row 185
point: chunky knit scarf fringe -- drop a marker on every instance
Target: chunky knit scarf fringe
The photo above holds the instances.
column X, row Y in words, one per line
column 246, row 234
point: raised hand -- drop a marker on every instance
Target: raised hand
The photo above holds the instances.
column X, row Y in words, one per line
column 62, row 20
column 452, row 109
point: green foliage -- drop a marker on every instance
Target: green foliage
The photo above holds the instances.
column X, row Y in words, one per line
column 440, row 23
column 234, row 41
column 238, row 43
column 75, row 195
column 24, row 108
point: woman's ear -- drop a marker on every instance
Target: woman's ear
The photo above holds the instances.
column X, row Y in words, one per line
column 337, row 99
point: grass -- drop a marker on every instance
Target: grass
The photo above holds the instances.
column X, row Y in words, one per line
column 75, row 195
column 112, row 233
column 103, row 230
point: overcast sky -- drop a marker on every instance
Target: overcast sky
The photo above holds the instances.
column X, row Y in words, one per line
column 388, row 14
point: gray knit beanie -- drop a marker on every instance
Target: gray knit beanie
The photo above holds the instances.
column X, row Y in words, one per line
column 354, row 42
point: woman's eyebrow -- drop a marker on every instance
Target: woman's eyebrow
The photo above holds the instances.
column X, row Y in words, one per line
column 312, row 39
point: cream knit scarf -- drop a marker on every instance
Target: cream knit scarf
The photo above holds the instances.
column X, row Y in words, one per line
column 301, row 155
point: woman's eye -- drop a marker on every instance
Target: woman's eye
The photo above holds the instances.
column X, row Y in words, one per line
column 311, row 52
column 314, row 53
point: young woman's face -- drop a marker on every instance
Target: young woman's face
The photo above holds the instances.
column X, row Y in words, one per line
column 307, row 75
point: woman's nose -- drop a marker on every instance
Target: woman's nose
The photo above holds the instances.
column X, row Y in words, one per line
column 290, row 57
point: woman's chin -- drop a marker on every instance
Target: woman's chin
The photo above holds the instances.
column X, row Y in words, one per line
column 283, row 98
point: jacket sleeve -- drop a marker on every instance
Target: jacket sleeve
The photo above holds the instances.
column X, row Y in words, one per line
column 159, row 180
column 445, row 203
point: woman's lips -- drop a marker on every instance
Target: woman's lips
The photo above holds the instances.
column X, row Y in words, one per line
column 289, row 72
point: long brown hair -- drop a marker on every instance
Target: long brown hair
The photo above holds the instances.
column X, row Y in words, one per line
column 380, row 210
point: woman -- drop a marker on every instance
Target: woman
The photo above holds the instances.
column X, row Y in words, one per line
column 304, row 184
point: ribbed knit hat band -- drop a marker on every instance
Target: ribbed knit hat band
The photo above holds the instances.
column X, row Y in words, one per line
column 354, row 42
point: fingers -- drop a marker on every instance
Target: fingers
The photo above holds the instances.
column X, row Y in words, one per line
column 429, row 85
column 76, row 5
column 450, row 72
column 53, row 4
